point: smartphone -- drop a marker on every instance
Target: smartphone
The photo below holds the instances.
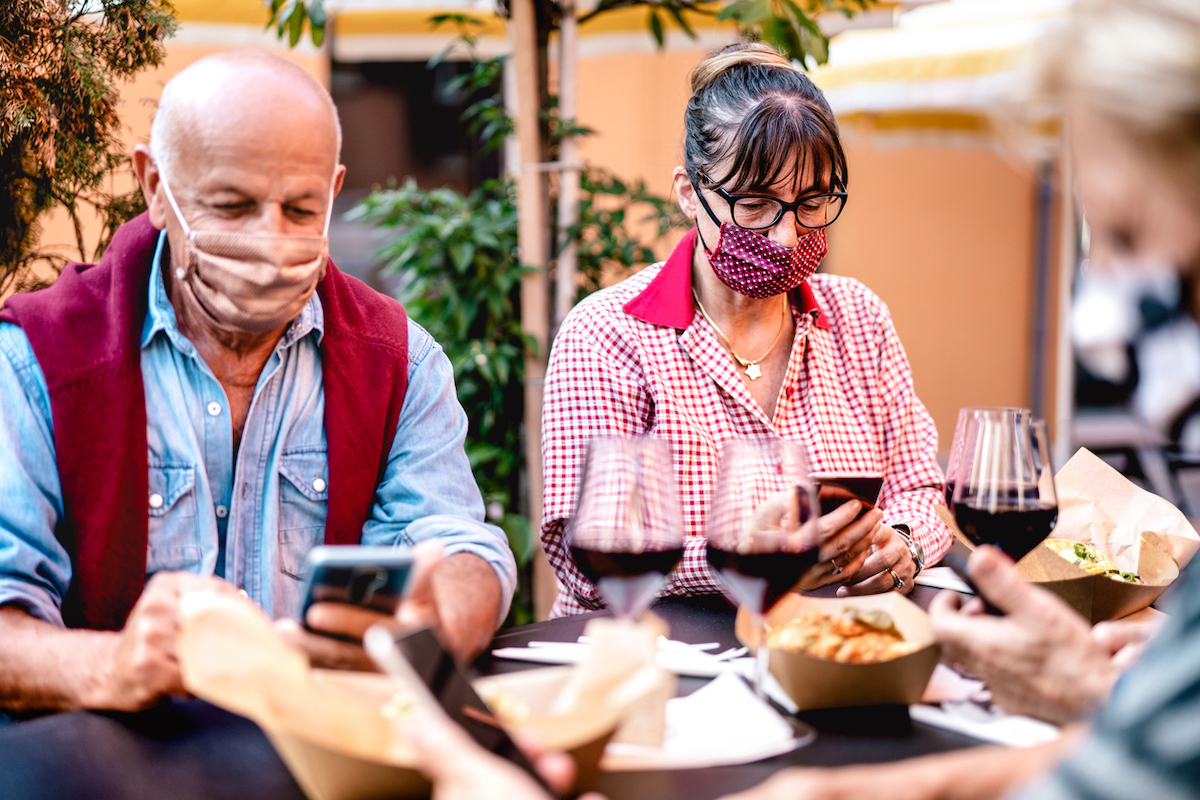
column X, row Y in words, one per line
column 419, row 663
column 836, row 488
column 373, row 577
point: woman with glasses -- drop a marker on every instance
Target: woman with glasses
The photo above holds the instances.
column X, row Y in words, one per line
column 734, row 336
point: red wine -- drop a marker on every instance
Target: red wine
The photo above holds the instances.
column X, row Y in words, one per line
column 626, row 581
column 950, row 493
column 759, row 580
column 1015, row 530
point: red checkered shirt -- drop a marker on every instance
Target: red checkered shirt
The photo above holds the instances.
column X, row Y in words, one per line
column 637, row 358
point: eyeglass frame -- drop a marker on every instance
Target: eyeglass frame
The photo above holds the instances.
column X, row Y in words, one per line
column 793, row 206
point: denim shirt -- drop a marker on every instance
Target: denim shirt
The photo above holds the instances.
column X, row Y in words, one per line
column 251, row 521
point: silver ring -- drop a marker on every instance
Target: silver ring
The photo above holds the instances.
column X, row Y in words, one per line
column 837, row 569
column 896, row 582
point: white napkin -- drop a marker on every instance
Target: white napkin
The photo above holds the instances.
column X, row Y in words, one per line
column 681, row 658
column 723, row 722
column 943, row 578
column 987, row 723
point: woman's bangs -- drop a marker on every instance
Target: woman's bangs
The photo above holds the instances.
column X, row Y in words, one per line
column 764, row 150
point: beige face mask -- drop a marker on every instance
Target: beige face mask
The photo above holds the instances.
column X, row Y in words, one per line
column 250, row 283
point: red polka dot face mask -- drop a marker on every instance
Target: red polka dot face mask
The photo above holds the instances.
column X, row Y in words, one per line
column 751, row 264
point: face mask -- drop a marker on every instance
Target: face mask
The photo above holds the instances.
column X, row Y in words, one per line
column 250, row 283
column 751, row 264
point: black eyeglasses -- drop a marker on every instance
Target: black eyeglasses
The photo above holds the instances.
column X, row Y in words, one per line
column 757, row 212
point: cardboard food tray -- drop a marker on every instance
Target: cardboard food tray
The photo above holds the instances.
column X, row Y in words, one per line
column 581, row 736
column 1099, row 597
column 819, row 683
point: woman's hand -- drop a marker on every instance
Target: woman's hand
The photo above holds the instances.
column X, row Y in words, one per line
column 845, row 545
column 888, row 551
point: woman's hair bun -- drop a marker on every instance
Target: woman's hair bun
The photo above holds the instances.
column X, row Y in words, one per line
column 745, row 53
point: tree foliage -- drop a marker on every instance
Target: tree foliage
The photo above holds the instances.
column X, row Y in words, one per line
column 60, row 130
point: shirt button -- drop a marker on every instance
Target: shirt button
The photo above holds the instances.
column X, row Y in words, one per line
column 222, row 512
column 214, row 409
column 156, row 501
column 318, row 485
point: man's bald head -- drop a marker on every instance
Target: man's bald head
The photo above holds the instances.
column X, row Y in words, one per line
column 253, row 89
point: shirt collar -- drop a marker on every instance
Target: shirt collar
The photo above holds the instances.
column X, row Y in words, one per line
column 667, row 300
column 160, row 314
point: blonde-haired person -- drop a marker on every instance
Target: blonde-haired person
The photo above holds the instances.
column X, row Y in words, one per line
column 734, row 336
column 1127, row 75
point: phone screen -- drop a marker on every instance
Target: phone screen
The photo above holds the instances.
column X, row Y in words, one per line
column 446, row 682
column 835, row 489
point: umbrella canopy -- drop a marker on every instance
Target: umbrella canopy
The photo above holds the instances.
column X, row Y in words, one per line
column 943, row 67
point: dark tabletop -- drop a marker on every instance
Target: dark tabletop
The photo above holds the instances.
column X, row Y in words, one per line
column 190, row 749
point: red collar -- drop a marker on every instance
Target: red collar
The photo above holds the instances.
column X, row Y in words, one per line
column 667, row 300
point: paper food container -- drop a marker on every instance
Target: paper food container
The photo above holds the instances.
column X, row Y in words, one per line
column 328, row 727
column 818, row 683
column 583, row 736
column 1099, row 597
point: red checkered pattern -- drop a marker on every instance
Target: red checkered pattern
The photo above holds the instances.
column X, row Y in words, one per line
column 847, row 395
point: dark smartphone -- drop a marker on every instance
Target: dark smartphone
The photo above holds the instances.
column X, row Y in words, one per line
column 836, row 488
column 403, row 654
column 373, row 577
column 957, row 561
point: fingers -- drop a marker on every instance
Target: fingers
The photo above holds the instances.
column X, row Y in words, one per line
column 997, row 579
column 557, row 770
column 342, row 619
column 419, row 607
column 323, row 651
column 1115, row 635
column 839, row 518
column 441, row 746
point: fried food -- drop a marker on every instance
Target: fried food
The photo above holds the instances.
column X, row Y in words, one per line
column 1090, row 560
column 853, row 637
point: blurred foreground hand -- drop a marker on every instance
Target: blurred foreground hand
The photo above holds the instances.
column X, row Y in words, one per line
column 460, row 769
column 1041, row 658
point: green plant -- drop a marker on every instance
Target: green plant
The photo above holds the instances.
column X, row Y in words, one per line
column 459, row 278
column 60, row 133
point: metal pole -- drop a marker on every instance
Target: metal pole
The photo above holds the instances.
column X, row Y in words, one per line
column 566, row 283
column 535, row 287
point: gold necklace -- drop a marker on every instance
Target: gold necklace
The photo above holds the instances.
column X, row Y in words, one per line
column 751, row 364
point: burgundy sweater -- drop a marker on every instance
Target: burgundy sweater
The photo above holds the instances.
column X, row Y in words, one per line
column 85, row 331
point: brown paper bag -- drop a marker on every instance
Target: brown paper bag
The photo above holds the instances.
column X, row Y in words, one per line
column 327, row 727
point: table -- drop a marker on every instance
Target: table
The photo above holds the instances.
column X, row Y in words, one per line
column 189, row 749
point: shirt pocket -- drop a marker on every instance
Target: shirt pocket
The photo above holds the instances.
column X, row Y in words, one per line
column 303, row 498
column 174, row 535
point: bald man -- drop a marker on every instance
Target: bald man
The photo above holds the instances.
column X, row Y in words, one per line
column 214, row 399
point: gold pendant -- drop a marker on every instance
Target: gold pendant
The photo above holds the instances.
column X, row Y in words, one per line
column 753, row 372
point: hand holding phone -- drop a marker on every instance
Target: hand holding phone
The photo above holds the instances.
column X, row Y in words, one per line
column 836, row 488
column 370, row 577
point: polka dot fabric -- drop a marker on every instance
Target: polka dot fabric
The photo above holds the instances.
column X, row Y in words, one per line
column 847, row 395
column 751, row 264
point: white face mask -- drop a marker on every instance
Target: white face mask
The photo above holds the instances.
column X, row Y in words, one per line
column 250, row 283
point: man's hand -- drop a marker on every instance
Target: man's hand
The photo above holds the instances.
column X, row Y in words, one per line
column 845, row 545
column 460, row 769
column 458, row 597
column 1040, row 659
column 140, row 666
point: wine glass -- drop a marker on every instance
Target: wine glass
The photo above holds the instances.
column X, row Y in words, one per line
column 965, row 415
column 1004, row 489
column 762, row 529
column 627, row 532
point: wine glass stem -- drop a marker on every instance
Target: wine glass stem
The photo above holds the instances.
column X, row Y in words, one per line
column 762, row 659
